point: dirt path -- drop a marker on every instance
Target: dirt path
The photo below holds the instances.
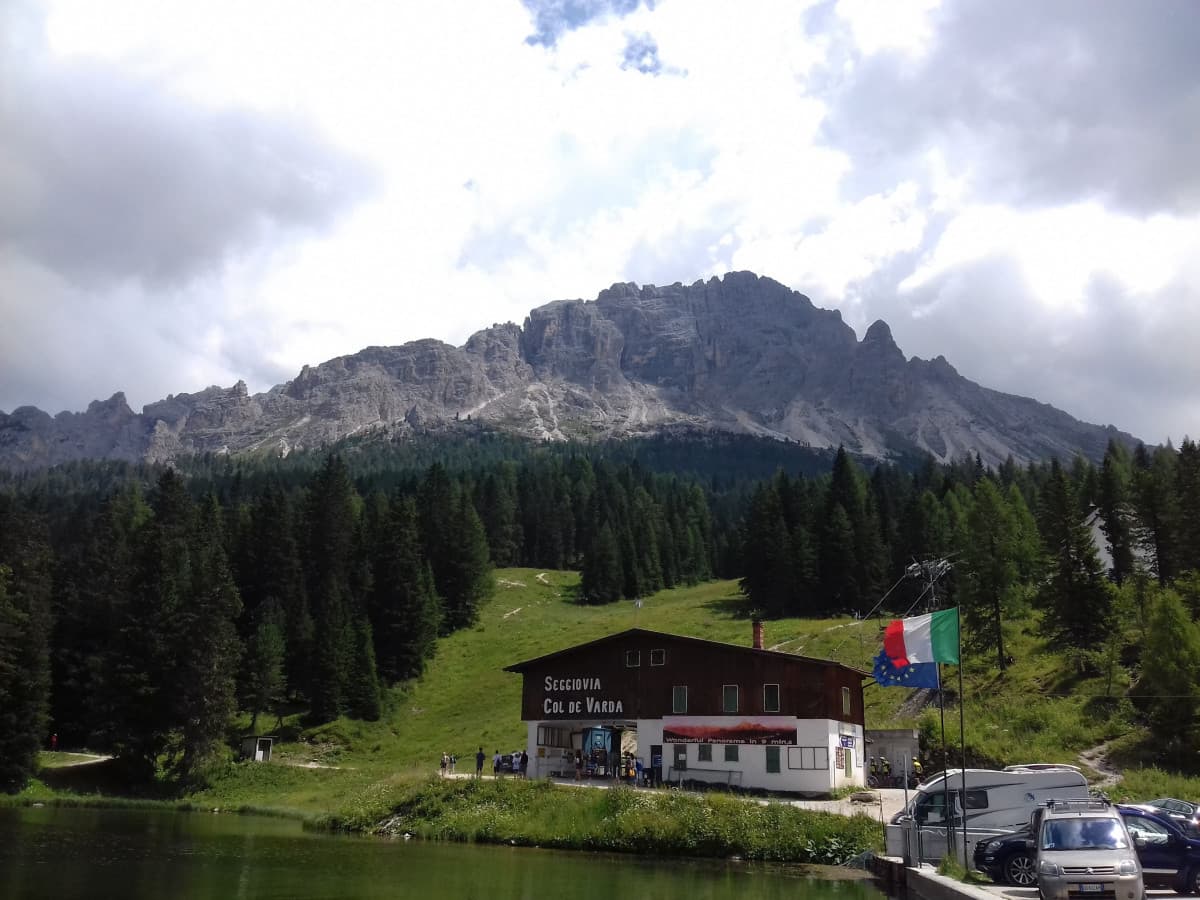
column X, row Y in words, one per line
column 1096, row 759
column 64, row 759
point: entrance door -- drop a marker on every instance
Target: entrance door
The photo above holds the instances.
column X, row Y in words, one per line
column 849, row 763
column 656, row 764
column 680, row 758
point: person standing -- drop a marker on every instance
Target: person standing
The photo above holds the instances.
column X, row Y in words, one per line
column 445, row 763
column 496, row 764
column 54, row 742
column 578, row 765
column 479, row 758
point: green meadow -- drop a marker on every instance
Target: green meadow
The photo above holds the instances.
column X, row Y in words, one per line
column 353, row 774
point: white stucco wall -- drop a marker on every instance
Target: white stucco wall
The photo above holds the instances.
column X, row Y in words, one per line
column 749, row 770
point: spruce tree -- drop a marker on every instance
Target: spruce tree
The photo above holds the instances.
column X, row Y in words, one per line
column 1113, row 505
column 25, row 589
column 331, row 563
column 1168, row 688
column 263, row 678
column 601, row 577
column 1077, row 597
column 209, row 650
column 362, row 683
column 990, row 586
column 467, row 577
column 405, row 610
column 1157, row 507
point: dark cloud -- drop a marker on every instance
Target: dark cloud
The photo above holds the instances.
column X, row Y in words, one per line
column 108, row 177
column 554, row 18
column 1044, row 103
column 641, row 53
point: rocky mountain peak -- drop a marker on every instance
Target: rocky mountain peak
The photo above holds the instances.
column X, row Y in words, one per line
column 740, row 353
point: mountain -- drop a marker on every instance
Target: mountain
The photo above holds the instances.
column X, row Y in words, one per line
column 741, row 353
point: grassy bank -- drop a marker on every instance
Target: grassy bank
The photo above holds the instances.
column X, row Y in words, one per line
column 620, row 820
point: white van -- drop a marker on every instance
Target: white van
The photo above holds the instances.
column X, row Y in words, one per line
column 996, row 801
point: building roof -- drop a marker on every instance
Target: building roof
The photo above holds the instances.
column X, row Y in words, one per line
column 721, row 645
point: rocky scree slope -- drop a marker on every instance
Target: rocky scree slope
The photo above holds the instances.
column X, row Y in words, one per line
column 741, row 353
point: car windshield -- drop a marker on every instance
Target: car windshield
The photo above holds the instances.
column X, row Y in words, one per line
column 1084, row 834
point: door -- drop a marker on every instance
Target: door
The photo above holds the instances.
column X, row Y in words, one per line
column 656, row 763
column 849, row 770
column 1158, row 853
column 681, row 757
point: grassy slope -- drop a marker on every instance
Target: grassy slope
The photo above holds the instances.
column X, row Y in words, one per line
column 1036, row 712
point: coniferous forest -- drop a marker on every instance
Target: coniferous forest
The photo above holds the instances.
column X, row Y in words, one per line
column 141, row 607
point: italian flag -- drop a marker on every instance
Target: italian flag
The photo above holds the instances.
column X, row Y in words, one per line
column 923, row 639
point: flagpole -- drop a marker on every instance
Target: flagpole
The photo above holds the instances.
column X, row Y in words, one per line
column 962, row 733
column 945, row 764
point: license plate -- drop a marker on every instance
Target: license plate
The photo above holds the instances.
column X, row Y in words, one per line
column 1091, row 888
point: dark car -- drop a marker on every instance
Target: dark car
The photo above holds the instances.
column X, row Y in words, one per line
column 1183, row 812
column 1011, row 858
column 1170, row 856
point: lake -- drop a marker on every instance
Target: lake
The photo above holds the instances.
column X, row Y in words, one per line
column 63, row 853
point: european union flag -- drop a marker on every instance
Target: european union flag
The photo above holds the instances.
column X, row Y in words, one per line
column 914, row 675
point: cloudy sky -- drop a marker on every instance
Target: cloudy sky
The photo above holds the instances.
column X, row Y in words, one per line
column 193, row 193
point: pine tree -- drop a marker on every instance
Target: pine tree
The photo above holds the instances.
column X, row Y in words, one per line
column 1077, row 597
column 989, row 591
column 767, row 553
column 209, row 651
column 332, row 559
column 362, row 684
column 275, row 575
column 601, row 578
column 1168, row 686
column 25, row 589
column 141, row 667
column 838, row 565
column 1187, row 522
column 1114, row 507
column 264, row 681
column 405, row 610
column 498, row 502
column 467, row 574
column 1157, row 507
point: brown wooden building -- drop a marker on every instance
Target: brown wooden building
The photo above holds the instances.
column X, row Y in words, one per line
column 701, row 710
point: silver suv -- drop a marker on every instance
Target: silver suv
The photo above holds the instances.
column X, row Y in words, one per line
column 1085, row 853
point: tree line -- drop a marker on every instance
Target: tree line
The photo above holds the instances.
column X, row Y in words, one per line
column 140, row 608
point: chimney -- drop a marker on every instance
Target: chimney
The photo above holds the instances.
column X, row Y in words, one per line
column 758, row 634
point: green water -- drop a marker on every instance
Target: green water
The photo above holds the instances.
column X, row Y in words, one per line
column 64, row 853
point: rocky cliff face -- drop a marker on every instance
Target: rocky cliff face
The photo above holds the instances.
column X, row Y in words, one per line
column 742, row 353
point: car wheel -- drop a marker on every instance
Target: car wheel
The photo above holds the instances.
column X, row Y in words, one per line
column 1021, row 869
column 1193, row 881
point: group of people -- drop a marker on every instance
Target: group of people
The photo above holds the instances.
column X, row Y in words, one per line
column 881, row 771
column 519, row 764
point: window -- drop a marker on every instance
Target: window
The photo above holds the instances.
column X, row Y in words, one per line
column 658, row 657
column 729, row 698
column 1146, row 830
column 773, row 759
column 633, row 659
column 731, row 753
column 705, row 753
column 845, row 701
column 977, row 800
column 679, row 699
column 553, row 737
column 770, row 698
column 808, row 758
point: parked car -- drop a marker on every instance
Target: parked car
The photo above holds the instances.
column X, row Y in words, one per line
column 1084, row 848
column 1170, row 856
column 1184, row 812
column 1011, row 858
